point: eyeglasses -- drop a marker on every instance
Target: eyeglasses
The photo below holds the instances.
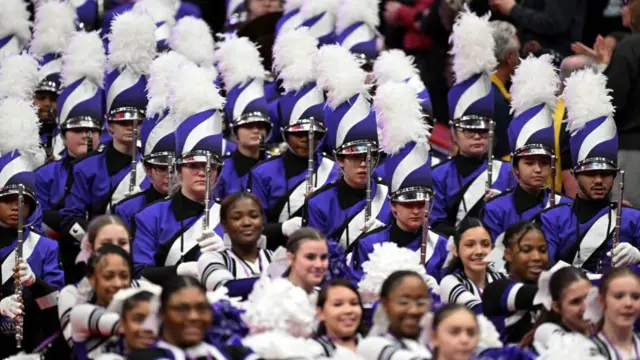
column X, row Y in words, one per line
column 470, row 134
column 195, row 168
column 405, row 301
column 200, row 308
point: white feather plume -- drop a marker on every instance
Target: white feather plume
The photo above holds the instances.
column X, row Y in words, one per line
column 19, row 126
column 534, row 82
column 293, row 54
column 14, row 19
column 399, row 114
column 278, row 305
column 473, row 45
column 132, row 42
column 192, row 91
column 280, row 345
column 386, row 259
column 354, row 11
column 239, row 61
column 312, row 8
column 394, row 65
column 171, row 4
column 291, row 5
column 54, row 25
column 84, row 57
column 587, row 98
column 158, row 86
column 158, row 11
column 338, row 72
column 18, row 77
column 192, row 38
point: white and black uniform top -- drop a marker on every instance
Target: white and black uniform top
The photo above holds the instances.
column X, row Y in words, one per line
column 389, row 347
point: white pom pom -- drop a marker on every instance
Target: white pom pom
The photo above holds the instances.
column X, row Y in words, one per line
column 312, row 8
column 473, row 46
column 587, row 98
column 239, row 61
column 291, row 5
column 293, row 54
column 280, row 345
column 84, row 57
column 158, row 86
column 158, row 11
column 338, row 72
column 14, row 19
column 394, row 65
column 132, row 42
column 55, row 23
column 570, row 346
column 278, row 305
column 399, row 114
column 354, row 11
column 19, row 126
column 489, row 335
column 192, row 91
column 18, row 77
column 534, row 82
column 386, row 259
column 192, row 38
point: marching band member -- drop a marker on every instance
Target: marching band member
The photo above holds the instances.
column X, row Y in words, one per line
column 357, row 202
column 581, row 234
column 15, row 28
column 236, row 14
column 106, row 176
column 242, row 218
column 463, row 183
column 508, row 303
column 19, row 77
column 410, row 194
column 282, row 182
column 163, row 16
column 531, row 138
column 157, row 138
column 320, row 17
column 31, row 274
column 357, row 22
column 170, row 234
column 468, row 273
column 246, row 110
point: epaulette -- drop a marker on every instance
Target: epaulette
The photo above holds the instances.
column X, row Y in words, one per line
column 502, row 194
column 552, row 208
column 380, row 180
column 140, row 193
column 442, row 163
column 266, row 161
column 322, row 189
column 101, row 149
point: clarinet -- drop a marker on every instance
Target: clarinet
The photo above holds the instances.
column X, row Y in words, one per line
column 207, row 186
column 367, row 210
column 171, row 170
column 616, row 235
column 18, row 285
column 310, row 162
column 552, row 187
column 89, row 141
column 490, row 156
column 134, row 155
column 425, row 234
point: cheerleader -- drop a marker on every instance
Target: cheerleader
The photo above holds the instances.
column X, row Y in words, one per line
column 508, row 303
column 242, row 219
column 619, row 298
column 454, row 333
column 468, row 274
column 404, row 300
column 135, row 306
column 307, row 259
column 460, row 184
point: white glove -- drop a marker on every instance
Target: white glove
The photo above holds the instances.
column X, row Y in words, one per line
column 11, row 307
column 292, row 225
column 209, row 241
column 372, row 224
column 27, row 277
column 432, row 284
column 624, row 254
column 188, row 269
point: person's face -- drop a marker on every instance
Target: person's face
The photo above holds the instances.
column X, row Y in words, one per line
column 122, row 131
column 45, row 101
column 194, row 177
column 244, row 222
column 572, row 305
column 626, row 16
column 354, row 168
column 513, row 57
column 595, row 185
column 621, row 303
column 341, row 313
column 9, row 210
column 533, row 171
column 474, row 246
column 249, row 135
column 299, row 143
column 406, row 305
column 309, row 263
column 528, row 258
column 472, row 143
column 114, row 234
column 135, row 336
column 187, row 317
column 456, row 336
column 259, row 8
column 111, row 274
column 409, row 215
column 159, row 176
column 75, row 140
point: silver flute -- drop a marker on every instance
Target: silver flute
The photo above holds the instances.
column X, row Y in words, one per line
column 367, row 210
column 490, row 156
column 134, row 155
column 18, row 285
column 616, row 235
column 207, row 193
column 89, row 141
column 171, row 173
column 425, row 233
column 310, row 162
column 552, row 185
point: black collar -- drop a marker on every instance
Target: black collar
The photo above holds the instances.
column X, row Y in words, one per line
column 67, row 160
column 293, row 164
column 184, row 208
column 466, row 165
column 7, row 236
column 116, row 160
column 347, row 195
column 585, row 210
column 525, row 201
column 243, row 164
column 401, row 237
column 151, row 195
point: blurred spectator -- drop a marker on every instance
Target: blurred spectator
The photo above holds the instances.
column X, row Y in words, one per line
column 257, row 8
column 602, row 48
column 407, row 15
